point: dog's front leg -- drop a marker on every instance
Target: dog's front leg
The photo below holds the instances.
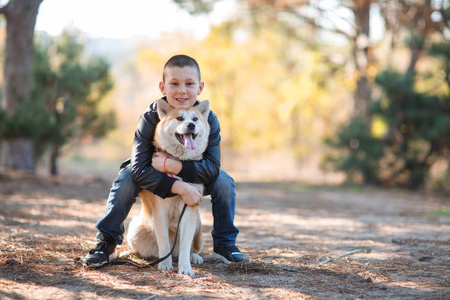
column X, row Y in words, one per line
column 161, row 224
column 187, row 232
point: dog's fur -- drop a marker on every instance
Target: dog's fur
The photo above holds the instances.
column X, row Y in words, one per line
column 152, row 233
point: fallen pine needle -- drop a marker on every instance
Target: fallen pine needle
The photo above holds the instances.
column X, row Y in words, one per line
column 354, row 252
column 324, row 259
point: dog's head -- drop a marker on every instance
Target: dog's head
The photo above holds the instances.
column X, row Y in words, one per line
column 183, row 132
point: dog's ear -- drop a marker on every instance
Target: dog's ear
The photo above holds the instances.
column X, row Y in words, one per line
column 163, row 108
column 204, row 108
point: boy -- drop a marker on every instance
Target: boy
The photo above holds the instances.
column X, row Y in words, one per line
column 146, row 170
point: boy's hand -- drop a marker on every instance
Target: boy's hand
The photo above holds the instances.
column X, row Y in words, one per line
column 171, row 165
column 192, row 195
column 158, row 161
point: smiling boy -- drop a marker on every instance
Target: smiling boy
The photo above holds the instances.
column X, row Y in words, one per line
column 180, row 87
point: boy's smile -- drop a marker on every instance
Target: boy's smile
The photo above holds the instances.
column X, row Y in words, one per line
column 181, row 86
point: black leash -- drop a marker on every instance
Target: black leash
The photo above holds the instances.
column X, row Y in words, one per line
column 152, row 264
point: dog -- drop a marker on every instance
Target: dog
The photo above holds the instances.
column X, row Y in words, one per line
column 181, row 134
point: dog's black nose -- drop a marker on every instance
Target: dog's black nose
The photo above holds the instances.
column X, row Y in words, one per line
column 191, row 126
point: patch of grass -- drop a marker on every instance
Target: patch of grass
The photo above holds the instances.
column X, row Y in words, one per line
column 295, row 187
column 442, row 212
column 399, row 191
column 355, row 188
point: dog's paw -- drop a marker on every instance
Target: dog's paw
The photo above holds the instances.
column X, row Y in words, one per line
column 165, row 266
column 187, row 270
column 196, row 259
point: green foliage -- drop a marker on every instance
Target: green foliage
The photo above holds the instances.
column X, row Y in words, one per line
column 27, row 121
column 419, row 127
column 414, row 110
column 440, row 49
column 442, row 212
column 412, row 115
column 66, row 97
column 196, row 6
column 71, row 90
column 418, row 135
column 360, row 152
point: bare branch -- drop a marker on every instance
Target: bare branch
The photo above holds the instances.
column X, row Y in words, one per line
column 325, row 11
column 312, row 21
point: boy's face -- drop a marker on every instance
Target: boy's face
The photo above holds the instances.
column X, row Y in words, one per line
column 181, row 86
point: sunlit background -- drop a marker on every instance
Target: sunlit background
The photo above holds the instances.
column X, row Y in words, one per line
column 114, row 19
column 289, row 80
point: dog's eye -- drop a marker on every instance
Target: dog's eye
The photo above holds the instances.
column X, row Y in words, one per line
column 180, row 119
column 194, row 119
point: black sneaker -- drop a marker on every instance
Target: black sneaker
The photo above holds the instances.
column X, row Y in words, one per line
column 102, row 253
column 228, row 255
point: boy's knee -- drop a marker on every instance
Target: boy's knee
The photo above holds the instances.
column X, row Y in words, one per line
column 124, row 184
column 222, row 187
column 225, row 181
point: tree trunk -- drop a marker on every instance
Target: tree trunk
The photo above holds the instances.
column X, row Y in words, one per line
column 422, row 32
column 18, row 66
column 54, row 153
column 18, row 151
column 363, row 97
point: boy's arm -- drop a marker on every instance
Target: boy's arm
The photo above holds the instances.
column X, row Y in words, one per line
column 144, row 175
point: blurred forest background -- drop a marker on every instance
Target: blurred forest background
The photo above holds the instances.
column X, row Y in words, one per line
column 316, row 91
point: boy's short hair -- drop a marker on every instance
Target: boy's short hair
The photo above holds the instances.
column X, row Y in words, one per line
column 181, row 61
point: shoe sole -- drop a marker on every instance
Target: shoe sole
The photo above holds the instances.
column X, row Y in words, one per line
column 94, row 265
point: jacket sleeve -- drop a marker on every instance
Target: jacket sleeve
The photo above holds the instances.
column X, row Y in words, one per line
column 206, row 170
column 144, row 175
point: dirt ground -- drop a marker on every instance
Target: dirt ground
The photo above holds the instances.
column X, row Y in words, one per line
column 304, row 242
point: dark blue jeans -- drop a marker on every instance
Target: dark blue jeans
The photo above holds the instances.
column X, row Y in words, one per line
column 123, row 195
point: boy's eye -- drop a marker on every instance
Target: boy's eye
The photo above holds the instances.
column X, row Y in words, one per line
column 194, row 119
column 180, row 119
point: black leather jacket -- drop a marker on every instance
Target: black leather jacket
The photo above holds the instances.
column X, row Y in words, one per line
column 144, row 175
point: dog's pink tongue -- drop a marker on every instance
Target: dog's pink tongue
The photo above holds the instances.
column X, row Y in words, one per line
column 189, row 142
